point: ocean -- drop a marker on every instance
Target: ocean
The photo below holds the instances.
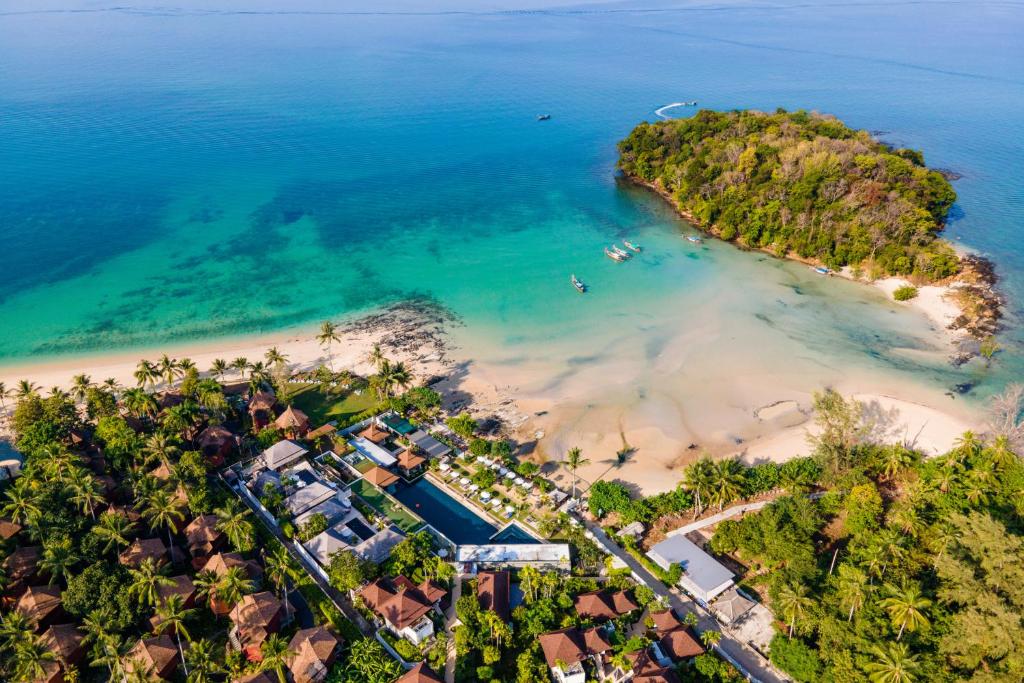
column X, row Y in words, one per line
column 215, row 169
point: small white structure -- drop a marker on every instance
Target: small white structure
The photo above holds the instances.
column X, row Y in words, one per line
column 281, row 454
column 703, row 577
column 377, row 454
column 540, row 555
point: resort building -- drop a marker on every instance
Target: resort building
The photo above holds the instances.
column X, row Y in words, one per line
column 253, row 620
column 281, row 454
column 143, row 549
column 420, row 673
column 411, row 464
column 261, row 409
column 203, row 538
column 67, row 642
column 293, row 422
column 404, row 608
column 22, row 568
column 216, row 443
column 567, row 650
column 604, row 605
column 731, row 607
column 545, row 556
column 493, row 590
column 183, row 587
column 381, row 478
column 313, row 651
column 429, row 445
column 703, row 577
column 42, row 605
column 153, row 656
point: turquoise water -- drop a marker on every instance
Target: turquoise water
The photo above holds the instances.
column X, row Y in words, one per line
column 217, row 169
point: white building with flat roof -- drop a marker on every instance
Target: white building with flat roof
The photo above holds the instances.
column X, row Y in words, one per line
column 377, row 454
column 541, row 555
column 703, row 576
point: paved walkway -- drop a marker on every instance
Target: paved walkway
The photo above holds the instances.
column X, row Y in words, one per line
column 721, row 516
column 750, row 663
column 450, row 622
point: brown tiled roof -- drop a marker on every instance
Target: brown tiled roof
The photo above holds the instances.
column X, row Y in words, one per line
column 215, row 436
column 290, row 418
column 221, row 562
column 595, row 642
column 563, row 646
column 23, row 562
column 182, row 586
column 372, row 433
column 202, row 534
column 409, row 460
column 492, row 589
column 39, row 602
column 664, row 621
column 262, row 400
column 256, row 616
column 399, row 601
column 431, row 591
column 158, row 653
column 8, row 529
column 603, row 605
column 258, row 677
column 405, row 608
column 420, row 673
column 680, row 644
column 65, row 640
column 143, row 548
column 375, row 594
column 323, row 430
column 646, row 670
column 314, row 650
column 380, row 476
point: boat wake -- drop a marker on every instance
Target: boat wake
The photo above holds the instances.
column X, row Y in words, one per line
column 661, row 112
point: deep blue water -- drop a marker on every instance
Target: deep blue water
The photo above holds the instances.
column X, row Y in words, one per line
column 177, row 172
column 444, row 513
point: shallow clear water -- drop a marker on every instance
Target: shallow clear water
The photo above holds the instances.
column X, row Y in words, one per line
column 220, row 168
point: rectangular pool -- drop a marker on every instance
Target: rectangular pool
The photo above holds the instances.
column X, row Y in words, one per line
column 444, row 513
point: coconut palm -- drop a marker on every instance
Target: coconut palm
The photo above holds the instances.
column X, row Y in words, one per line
column 906, row 607
column 851, row 588
column 137, row 670
column 698, row 481
column 185, row 365
column 1000, row 452
column 235, row 524
column 15, row 627
column 727, row 482
column 792, row 602
column 85, row 492
column 147, row 580
column 181, row 419
column 162, row 447
column 218, row 368
column 140, row 404
column 25, row 389
column 710, row 638
column 173, row 614
column 258, row 375
column 200, row 657
column 275, row 357
column 146, row 373
column 241, row 364
column 58, row 558
column 529, row 581
column 892, row 663
column 114, row 529
column 22, row 504
column 211, row 395
column 161, row 509
column 30, row 658
column 893, row 460
column 281, row 572
column 58, row 463
column 107, row 649
column 276, row 656
column 4, row 394
column 390, row 375
column 376, row 356
column 80, row 385
column 327, row 336
column 233, row 585
column 574, row 460
column 168, row 369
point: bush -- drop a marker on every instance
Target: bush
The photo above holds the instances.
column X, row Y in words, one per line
column 905, row 293
column 795, row 658
column 463, row 425
column 479, row 447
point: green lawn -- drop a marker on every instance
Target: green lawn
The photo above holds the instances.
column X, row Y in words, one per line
column 363, row 466
column 386, row 506
column 323, row 408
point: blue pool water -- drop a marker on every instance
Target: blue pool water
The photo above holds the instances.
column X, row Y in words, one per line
column 359, row 529
column 513, row 533
column 444, row 513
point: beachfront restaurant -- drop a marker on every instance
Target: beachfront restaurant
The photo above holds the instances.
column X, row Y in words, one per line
column 703, row 576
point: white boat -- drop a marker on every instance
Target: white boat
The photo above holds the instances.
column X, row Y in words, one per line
column 580, row 287
column 543, row 117
column 822, row 270
column 621, row 252
column 613, row 256
column 631, row 246
column 694, row 239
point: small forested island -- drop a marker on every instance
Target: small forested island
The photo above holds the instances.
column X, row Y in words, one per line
column 806, row 186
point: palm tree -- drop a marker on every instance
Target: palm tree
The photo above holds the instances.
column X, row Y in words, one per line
column 25, row 389
column 22, row 505
column 573, row 460
column 107, row 648
column 162, row 447
column 390, row 375
column 30, row 657
column 185, row 365
column 138, row 403
column 893, row 460
column 225, row 589
column 58, row 558
column 173, row 614
column 792, row 601
column 85, row 492
column 698, row 480
column 80, row 385
column 852, row 588
column 146, row 373
column 137, row 670
column 905, row 606
column 4, row 393
column 376, row 356
column 218, row 368
column 258, row 375
column 280, row 571
column 529, row 581
column 163, row 509
column 180, row 419
column 1001, row 452
column 15, row 627
column 276, row 655
column 112, row 385
column 275, row 357
column 241, row 364
column 710, row 638
column 327, row 336
column 167, row 368
column 113, row 529
column 892, row 664
column 200, row 657
column 235, row 524
column 147, row 581
column 727, row 482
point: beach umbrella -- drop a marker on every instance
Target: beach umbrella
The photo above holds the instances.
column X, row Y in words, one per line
column 510, row 475
column 464, row 481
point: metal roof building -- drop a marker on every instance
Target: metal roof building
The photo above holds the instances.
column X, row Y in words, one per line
column 703, row 577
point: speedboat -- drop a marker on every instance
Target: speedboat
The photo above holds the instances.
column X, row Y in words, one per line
column 822, row 270
column 543, row 117
column 694, row 239
column 621, row 252
column 580, row 287
column 614, row 256
column 631, row 246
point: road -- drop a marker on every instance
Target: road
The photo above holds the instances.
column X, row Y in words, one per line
column 451, row 620
column 750, row 663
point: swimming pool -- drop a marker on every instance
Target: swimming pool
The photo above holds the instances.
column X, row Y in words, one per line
column 359, row 529
column 513, row 534
column 446, row 514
